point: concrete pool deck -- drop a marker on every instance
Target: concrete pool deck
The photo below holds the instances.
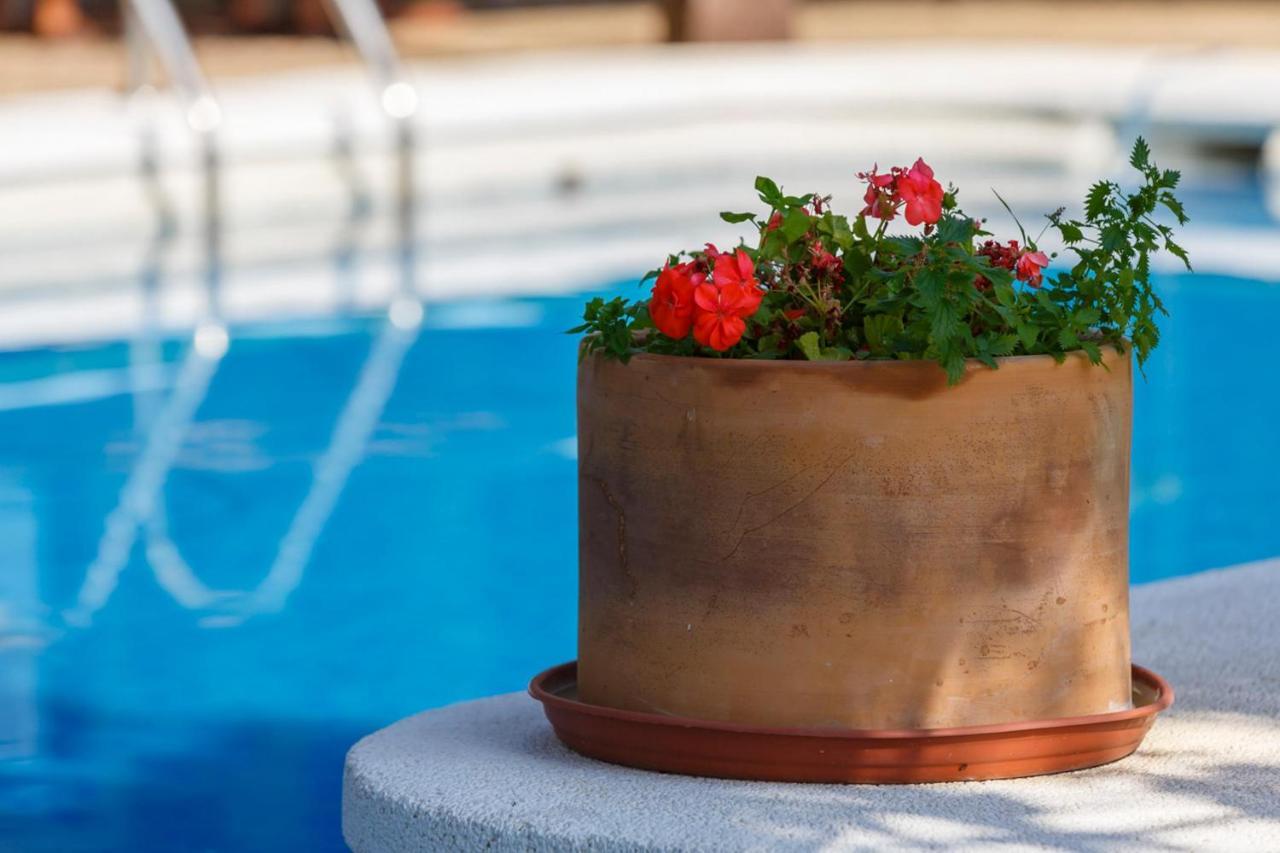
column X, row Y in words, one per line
column 490, row 774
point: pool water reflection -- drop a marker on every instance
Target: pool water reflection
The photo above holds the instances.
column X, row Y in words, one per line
column 418, row 486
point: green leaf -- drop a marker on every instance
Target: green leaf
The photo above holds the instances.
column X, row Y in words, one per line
column 1005, row 294
column 1113, row 237
column 1174, row 206
column 769, row 192
column 944, row 322
column 735, row 218
column 1085, row 316
column 1178, row 252
column 955, row 229
column 931, row 285
column 1070, row 231
column 860, row 229
column 795, row 224
column 881, row 331
column 1140, row 157
column 904, row 245
column 856, row 263
column 809, row 345
column 841, row 233
column 814, row 351
column 1098, row 201
column 1003, row 344
column 953, row 363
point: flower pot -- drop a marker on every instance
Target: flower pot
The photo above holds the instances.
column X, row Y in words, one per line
column 854, row 544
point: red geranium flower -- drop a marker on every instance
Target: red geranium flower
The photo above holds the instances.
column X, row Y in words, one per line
column 739, row 270
column 922, row 194
column 1030, row 266
column 1027, row 265
column 1000, row 255
column 719, row 322
column 671, row 306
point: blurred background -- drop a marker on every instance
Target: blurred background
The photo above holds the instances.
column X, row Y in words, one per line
column 286, row 411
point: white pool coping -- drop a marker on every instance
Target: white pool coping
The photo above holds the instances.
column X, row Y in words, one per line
column 549, row 173
column 490, row 774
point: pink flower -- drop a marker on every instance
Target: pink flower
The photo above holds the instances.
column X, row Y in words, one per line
column 881, row 198
column 922, row 194
column 1030, row 266
column 880, row 204
column 877, row 180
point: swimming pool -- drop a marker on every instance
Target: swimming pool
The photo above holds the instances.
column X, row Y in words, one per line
column 409, row 495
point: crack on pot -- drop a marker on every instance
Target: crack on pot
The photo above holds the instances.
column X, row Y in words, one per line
column 750, row 496
column 810, row 493
column 623, row 563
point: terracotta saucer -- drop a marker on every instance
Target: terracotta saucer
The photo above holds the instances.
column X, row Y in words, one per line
column 726, row 750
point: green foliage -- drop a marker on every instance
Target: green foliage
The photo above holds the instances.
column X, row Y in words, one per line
column 837, row 289
column 610, row 327
column 1109, row 287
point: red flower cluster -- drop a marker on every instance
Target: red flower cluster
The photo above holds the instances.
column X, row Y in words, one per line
column 913, row 188
column 1027, row 265
column 716, row 310
column 823, row 262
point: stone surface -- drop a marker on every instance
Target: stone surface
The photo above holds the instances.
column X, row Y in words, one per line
column 491, row 775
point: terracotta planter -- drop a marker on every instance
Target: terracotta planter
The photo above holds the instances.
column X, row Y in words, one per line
column 854, row 544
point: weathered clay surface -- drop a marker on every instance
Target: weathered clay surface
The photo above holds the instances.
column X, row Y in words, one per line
column 854, row 544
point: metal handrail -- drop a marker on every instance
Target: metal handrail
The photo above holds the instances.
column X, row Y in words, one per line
column 363, row 25
column 152, row 27
column 154, row 24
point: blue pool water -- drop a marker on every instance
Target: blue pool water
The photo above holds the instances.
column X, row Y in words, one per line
column 429, row 550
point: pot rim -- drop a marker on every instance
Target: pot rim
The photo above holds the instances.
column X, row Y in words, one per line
column 1109, row 350
column 539, row 691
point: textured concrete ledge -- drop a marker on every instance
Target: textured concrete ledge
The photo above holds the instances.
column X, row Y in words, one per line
column 490, row 775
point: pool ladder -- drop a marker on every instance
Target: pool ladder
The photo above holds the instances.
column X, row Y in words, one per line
column 152, row 28
column 163, row 424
